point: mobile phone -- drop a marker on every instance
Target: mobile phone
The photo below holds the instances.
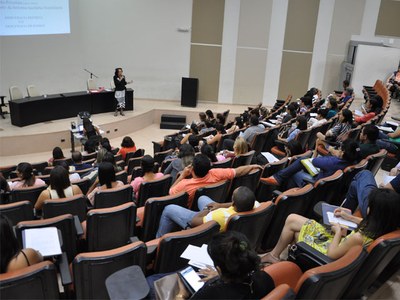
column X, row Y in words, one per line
column 191, row 279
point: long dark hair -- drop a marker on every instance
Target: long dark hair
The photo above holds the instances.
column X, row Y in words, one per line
column 58, row 153
column 302, row 122
column 106, row 174
column 127, row 142
column 351, row 151
column 87, row 125
column 9, row 244
column 383, row 215
column 231, row 252
column 347, row 116
column 209, row 152
column 59, row 180
column 26, row 171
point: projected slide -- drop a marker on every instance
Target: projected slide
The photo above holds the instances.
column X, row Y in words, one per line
column 30, row 17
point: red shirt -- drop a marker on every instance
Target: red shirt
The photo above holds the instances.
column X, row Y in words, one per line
column 124, row 151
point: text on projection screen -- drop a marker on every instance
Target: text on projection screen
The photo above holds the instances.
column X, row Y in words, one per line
column 33, row 17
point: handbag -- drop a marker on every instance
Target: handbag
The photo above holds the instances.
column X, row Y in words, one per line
column 169, row 287
column 306, row 257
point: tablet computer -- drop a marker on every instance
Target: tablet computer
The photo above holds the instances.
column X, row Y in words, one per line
column 191, row 279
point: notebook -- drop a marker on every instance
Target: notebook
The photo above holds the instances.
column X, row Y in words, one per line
column 45, row 240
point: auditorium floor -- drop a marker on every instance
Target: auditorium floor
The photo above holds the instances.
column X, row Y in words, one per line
column 144, row 136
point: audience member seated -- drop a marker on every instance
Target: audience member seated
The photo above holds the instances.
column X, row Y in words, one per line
column 239, row 147
column 220, row 119
column 332, row 107
column 57, row 154
column 209, row 126
column 295, row 174
column 305, row 104
column 243, row 199
column 368, row 136
column 60, row 187
column 185, row 158
column 73, row 177
column 248, row 134
column 202, row 122
column 12, row 256
column 238, row 273
column 237, row 125
column 208, row 151
column 291, row 112
column 320, row 119
column 100, row 156
column 347, row 95
column 89, row 130
column 106, row 179
column 210, row 117
column 26, row 177
column 301, row 124
column 109, row 157
column 361, row 186
column 338, row 133
column 77, row 163
column 216, row 138
column 383, row 217
column 345, row 85
column 388, row 140
column 193, row 131
column 203, row 175
column 371, row 110
column 90, row 146
column 147, row 164
column 105, row 143
column 393, row 84
column 127, row 146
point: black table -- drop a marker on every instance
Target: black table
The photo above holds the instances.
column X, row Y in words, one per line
column 34, row 110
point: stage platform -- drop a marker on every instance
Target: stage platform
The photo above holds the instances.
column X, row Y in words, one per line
column 43, row 137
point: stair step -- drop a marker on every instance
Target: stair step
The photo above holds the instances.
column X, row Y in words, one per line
column 173, row 118
column 172, row 125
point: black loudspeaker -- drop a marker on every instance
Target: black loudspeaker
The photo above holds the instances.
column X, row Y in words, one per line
column 190, row 87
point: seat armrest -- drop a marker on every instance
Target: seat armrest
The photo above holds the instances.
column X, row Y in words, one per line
column 284, row 272
column 306, row 257
column 312, row 181
column 280, row 142
column 134, row 239
column 78, row 226
column 65, row 274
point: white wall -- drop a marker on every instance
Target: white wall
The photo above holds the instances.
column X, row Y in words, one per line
column 372, row 63
column 138, row 35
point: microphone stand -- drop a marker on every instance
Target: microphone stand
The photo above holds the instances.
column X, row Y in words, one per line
column 91, row 74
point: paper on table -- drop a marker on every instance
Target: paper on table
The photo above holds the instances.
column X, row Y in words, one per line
column 270, row 157
column 357, row 112
column 384, row 128
column 45, row 240
column 341, row 221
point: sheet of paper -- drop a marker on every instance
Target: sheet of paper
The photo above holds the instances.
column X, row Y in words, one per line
column 392, row 123
column 357, row 112
column 341, row 221
column 387, row 178
column 197, row 256
column 313, row 114
column 384, row 128
column 270, row 157
column 45, row 240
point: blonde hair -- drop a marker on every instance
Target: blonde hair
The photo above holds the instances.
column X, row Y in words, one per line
column 240, row 146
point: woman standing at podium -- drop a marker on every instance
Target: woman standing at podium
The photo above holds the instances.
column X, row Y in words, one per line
column 120, row 87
